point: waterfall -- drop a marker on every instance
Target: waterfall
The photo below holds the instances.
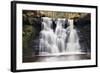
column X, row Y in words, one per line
column 47, row 38
column 73, row 40
column 54, row 41
column 61, row 34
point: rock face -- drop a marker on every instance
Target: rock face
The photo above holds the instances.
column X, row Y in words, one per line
column 31, row 29
column 84, row 26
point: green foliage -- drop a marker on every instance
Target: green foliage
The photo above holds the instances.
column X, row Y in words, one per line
column 27, row 36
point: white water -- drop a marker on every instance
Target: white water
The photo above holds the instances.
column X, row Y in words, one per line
column 48, row 38
column 61, row 35
column 73, row 40
column 54, row 42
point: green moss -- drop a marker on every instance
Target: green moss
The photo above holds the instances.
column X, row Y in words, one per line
column 28, row 32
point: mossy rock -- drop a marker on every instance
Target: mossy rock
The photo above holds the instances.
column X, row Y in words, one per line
column 28, row 34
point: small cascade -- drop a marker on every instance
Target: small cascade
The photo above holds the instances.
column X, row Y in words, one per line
column 47, row 38
column 61, row 34
column 73, row 40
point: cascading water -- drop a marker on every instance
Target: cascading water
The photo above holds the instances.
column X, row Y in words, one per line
column 73, row 40
column 61, row 34
column 48, row 38
column 54, row 42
